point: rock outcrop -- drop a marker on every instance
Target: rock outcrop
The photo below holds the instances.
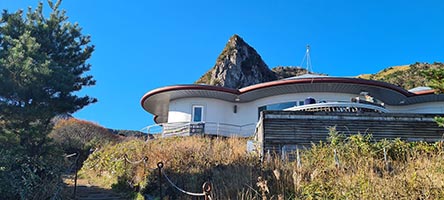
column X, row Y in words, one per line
column 238, row 66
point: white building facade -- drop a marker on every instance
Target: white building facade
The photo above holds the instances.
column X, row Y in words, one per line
column 224, row 111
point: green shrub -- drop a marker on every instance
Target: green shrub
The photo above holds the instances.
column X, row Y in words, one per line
column 29, row 175
column 78, row 136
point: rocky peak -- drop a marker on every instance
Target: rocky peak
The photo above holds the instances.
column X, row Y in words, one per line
column 238, row 66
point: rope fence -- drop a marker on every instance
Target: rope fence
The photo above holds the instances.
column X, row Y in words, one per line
column 206, row 187
column 144, row 160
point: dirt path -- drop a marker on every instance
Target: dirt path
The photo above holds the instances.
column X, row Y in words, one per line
column 87, row 191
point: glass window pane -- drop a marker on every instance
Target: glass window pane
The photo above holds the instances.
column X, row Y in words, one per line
column 259, row 110
column 281, row 106
column 197, row 114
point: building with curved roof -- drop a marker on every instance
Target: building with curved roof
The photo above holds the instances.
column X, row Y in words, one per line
column 224, row 111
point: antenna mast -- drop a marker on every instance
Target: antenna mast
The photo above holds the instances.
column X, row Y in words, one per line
column 307, row 59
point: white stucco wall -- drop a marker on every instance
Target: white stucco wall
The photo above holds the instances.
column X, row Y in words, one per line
column 247, row 113
column 214, row 110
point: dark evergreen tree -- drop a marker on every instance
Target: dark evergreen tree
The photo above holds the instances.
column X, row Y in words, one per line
column 43, row 61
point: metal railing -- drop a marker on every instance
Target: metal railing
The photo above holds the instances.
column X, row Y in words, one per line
column 229, row 130
column 339, row 107
column 207, row 128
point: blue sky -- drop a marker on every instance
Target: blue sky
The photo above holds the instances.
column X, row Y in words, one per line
column 143, row 45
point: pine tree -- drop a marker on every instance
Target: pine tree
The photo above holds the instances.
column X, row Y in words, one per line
column 43, row 61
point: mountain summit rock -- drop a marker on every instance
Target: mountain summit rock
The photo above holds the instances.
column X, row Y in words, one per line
column 238, row 66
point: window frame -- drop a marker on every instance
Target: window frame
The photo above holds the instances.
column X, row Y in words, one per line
column 193, row 113
column 301, row 103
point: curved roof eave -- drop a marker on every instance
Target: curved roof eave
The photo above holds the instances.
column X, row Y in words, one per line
column 186, row 87
column 328, row 80
column 157, row 100
column 425, row 92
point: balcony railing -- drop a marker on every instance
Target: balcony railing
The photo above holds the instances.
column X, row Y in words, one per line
column 340, row 107
column 203, row 128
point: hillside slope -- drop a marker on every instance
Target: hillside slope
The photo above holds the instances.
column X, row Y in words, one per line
column 405, row 76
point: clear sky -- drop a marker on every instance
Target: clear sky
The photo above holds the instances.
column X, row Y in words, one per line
column 143, row 45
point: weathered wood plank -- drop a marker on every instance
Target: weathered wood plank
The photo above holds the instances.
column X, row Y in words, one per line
column 279, row 128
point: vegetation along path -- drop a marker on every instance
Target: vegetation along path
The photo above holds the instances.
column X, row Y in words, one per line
column 87, row 191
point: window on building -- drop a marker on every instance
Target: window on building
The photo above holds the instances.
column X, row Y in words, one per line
column 259, row 110
column 276, row 106
column 197, row 114
column 301, row 103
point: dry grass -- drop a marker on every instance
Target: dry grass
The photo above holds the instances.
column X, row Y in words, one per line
column 186, row 160
column 412, row 170
column 388, row 71
column 384, row 73
column 365, row 76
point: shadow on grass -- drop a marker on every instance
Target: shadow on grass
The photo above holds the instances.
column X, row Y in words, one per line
column 87, row 191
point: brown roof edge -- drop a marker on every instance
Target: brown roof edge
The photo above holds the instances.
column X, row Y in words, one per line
column 425, row 92
column 327, row 80
column 155, row 118
column 187, row 87
column 280, row 82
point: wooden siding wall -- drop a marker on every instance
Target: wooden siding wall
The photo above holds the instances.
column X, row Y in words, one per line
column 280, row 128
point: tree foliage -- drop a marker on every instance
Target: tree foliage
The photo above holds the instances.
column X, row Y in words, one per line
column 435, row 79
column 78, row 136
column 42, row 63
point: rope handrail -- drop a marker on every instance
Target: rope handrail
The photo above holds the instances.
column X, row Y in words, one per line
column 144, row 159
column 206, row 187
column 183, row 191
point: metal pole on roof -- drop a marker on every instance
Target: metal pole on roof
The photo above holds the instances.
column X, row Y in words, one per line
column 307, row 60
column 309, row 68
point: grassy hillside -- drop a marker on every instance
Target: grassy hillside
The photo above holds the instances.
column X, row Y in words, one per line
column 386, row 72
column 359, row 170
column 405, row 76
